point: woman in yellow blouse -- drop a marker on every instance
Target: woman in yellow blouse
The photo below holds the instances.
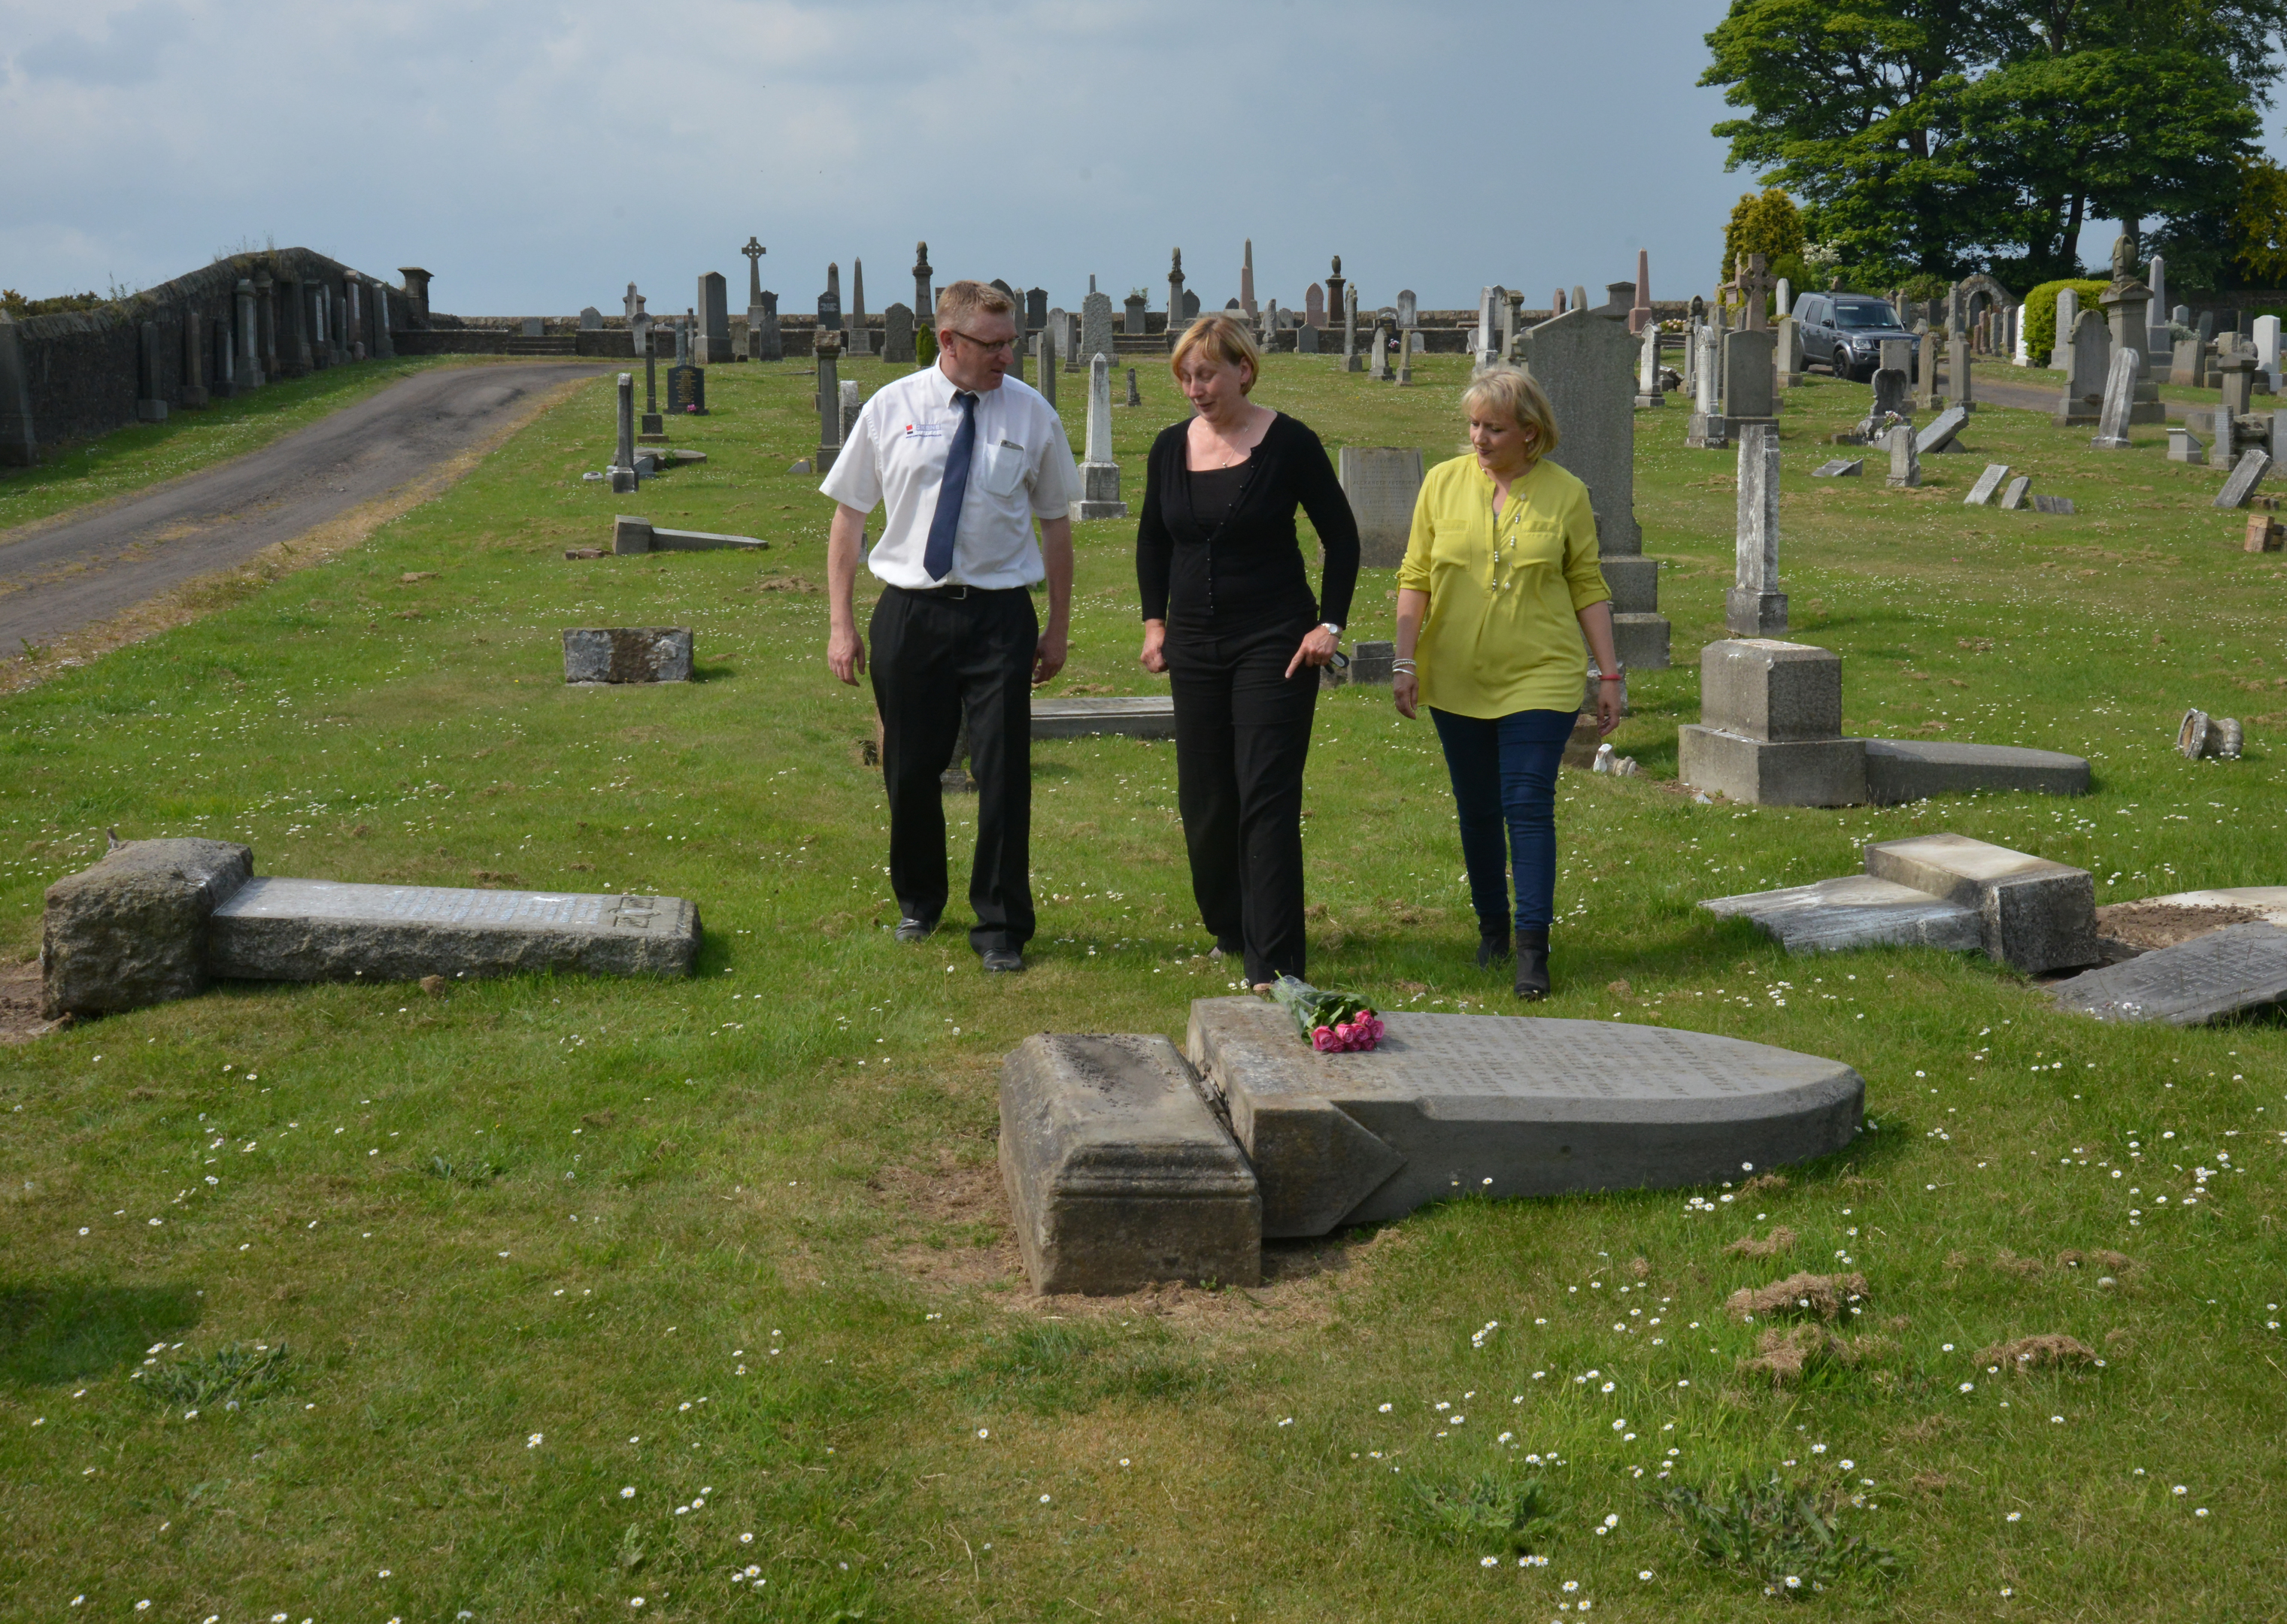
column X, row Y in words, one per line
column 1499, row 586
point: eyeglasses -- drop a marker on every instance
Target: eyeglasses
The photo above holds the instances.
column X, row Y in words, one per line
column 1009, row 345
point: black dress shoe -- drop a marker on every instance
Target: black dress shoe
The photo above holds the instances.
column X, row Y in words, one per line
column 1532, row 965
column 916, row 930
column 1492, row 947
column 1003, row 959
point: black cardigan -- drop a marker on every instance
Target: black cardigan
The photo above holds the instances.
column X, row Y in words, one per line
column 1250, row 569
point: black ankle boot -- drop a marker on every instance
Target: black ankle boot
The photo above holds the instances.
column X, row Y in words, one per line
column 1492, row 945
column 1532, row 964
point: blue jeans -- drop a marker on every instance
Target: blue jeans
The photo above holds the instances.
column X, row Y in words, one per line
column 1504, row 770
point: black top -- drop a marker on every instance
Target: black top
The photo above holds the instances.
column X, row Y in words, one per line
column 1203, row 561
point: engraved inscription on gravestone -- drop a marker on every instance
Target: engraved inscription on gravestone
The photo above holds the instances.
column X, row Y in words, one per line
column 686, row 390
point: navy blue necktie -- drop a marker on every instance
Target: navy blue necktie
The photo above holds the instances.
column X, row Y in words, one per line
column 937, row 558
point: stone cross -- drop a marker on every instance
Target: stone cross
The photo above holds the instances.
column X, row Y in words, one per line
column 2119, row 400
column 628, row 304
column 1753, row 283
column 754, row 251
column 1755, row 607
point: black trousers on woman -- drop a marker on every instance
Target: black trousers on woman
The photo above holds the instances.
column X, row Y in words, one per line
column 1242, row 737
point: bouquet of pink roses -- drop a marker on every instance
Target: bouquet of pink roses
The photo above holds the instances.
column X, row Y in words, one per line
column 1331, row 1022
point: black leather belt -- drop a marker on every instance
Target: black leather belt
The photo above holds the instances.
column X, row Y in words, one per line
column 956, row 592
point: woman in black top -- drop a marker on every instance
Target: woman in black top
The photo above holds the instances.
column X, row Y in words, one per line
column 1229, row 616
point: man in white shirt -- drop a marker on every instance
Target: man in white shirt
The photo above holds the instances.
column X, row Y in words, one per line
column 963, row 460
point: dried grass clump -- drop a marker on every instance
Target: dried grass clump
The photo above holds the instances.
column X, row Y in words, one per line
column 1762, row 1182
column 2029, row 1354
column 2024, row 1268
column 1781, row 1239
column 2119, row 1263
column 1783, row 1355
column 1824, row 1295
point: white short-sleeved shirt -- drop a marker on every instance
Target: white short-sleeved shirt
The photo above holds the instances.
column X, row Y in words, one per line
column 1022, row 468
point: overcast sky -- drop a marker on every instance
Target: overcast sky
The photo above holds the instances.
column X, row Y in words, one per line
column 537, row 158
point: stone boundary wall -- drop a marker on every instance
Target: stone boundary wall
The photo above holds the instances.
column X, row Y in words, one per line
column 78, row 373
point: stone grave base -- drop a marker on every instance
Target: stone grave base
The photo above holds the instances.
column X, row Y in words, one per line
column 1118, row 1172
column 157, row 919
column 1827, row 772
column 1904, row 769
column 1145, row 717
column 1937, row 890
column 1640, row 641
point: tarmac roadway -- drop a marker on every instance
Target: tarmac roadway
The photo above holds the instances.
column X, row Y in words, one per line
column 72, row 573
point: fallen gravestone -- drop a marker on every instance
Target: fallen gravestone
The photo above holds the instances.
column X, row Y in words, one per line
column 1940, row 890
column 600, row 654
column 1988, row 486
column 1840, row 467
column 1373, row 663
column 1145, row 717
column 1493, row 1106
column 630, row 534
column 2053, row 504
column 1899, row 771
column 2244, row 477
column 1382, row 483
column 2014, row 499
column 1939, row 436
column 2239, row 967
column 157, row 919
column 1119, row 1173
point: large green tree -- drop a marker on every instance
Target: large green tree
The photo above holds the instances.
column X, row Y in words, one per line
column 1936, row 136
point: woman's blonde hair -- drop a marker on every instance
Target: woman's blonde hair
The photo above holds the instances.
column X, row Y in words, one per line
column 1511, row 391
column 1222, row 338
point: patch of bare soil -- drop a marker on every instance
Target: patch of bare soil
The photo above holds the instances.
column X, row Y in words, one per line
column 1296, row 1292
column 2029, row 1354
column 1771, row 1245
column 21, row 1020
column 973, row 1242
column 1824, row 1295
column 2143, row 927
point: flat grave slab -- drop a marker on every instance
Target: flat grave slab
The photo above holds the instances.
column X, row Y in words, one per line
column 1904, row 769
column 2053, row 504
column 1141, row 716
column 1840, row 467
column 1856, row 910
column 1119, row 1172
column 1988, row 486
column 2239, row 967
column 320, row 930
column 630, row 534
column 595, row 655
column 1504, row 1106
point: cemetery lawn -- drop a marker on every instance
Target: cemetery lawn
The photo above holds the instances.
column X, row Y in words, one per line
column 81, row 473
column 540, row 1298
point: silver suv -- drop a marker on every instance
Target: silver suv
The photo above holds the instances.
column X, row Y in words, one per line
column 1843, row 332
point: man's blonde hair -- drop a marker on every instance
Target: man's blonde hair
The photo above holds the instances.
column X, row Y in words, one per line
column 1225, row 339
column 958, row 301
column 1510, row 392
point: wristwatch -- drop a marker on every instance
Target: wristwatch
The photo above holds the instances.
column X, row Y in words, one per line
column 1332, row 629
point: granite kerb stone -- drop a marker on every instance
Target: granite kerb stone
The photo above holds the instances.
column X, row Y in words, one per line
column 1138, row 716
column 1119, row 1172
column 1504, row 1107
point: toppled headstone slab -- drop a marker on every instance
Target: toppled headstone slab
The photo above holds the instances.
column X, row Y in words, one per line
column 130, row 932
column 627, row 654
column 1496, row 1106
column 1840, row 467
column 1904, row 769
column 1145, row 717
column 1119, row 1173
column 1856, row 910
column 630, row 534
column 316, row 930
column 2032, row 913
column 2239, row 967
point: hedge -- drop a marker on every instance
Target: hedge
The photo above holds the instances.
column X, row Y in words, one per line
column 2041, row 314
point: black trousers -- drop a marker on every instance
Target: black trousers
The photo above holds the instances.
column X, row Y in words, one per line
column 937, row 659
column 1242, row 737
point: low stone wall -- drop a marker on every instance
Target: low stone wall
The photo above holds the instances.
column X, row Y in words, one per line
column 225, row 328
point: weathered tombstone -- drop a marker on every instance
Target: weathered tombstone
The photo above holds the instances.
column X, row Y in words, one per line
column 1906, row 460
column 1962, row 392
column 1755, row 607
column 1707, row 430
column 2068, row 318
column 598, row 654
column 2267, row 350
column 1145, row 717
column 1118, row 1173
column 2187, row 363
column 2184, row 445
column 898, row 334
column 1306, row 337
column 827, row 347
column 1409, row 310
column 1770, row 727
column 2126, row 305
column 1099, row 475
column 1582, row 361
column 2234, row 377
column 714, row 318
column 2215, row 975
column 532, row 327
column 1503, row 1107
column 1378, row 367
column 1134, row 397
column 2053, row 504
column 2245, row 476
column 148, row 407
column 653, row 428
column 1190, row 307
column 1314, row 305
column 623, row 462
column 830, row 306
column 1382, row 483
column 1246, row 280
column 2037, row 915
column 1036, row 308
column 1048, row 344
column 1788, row 349
column 686, row 391
column 1096, row 337
column 1132, row 319
column 1748, row 376
column 632, row 536
column 2118, row 411
column 1939, row 436
column 1650, row 396
column 2086, row 352
column 924, row 296
column 858, row 340
column 1840, row 467
column 849, row 402
column 1988, row 486
column 1349, row 329
column 2015, row 499
column 1926, row 394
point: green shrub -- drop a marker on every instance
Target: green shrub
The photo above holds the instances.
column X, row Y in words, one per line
column 1776, row 1531
column 2041, row 334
